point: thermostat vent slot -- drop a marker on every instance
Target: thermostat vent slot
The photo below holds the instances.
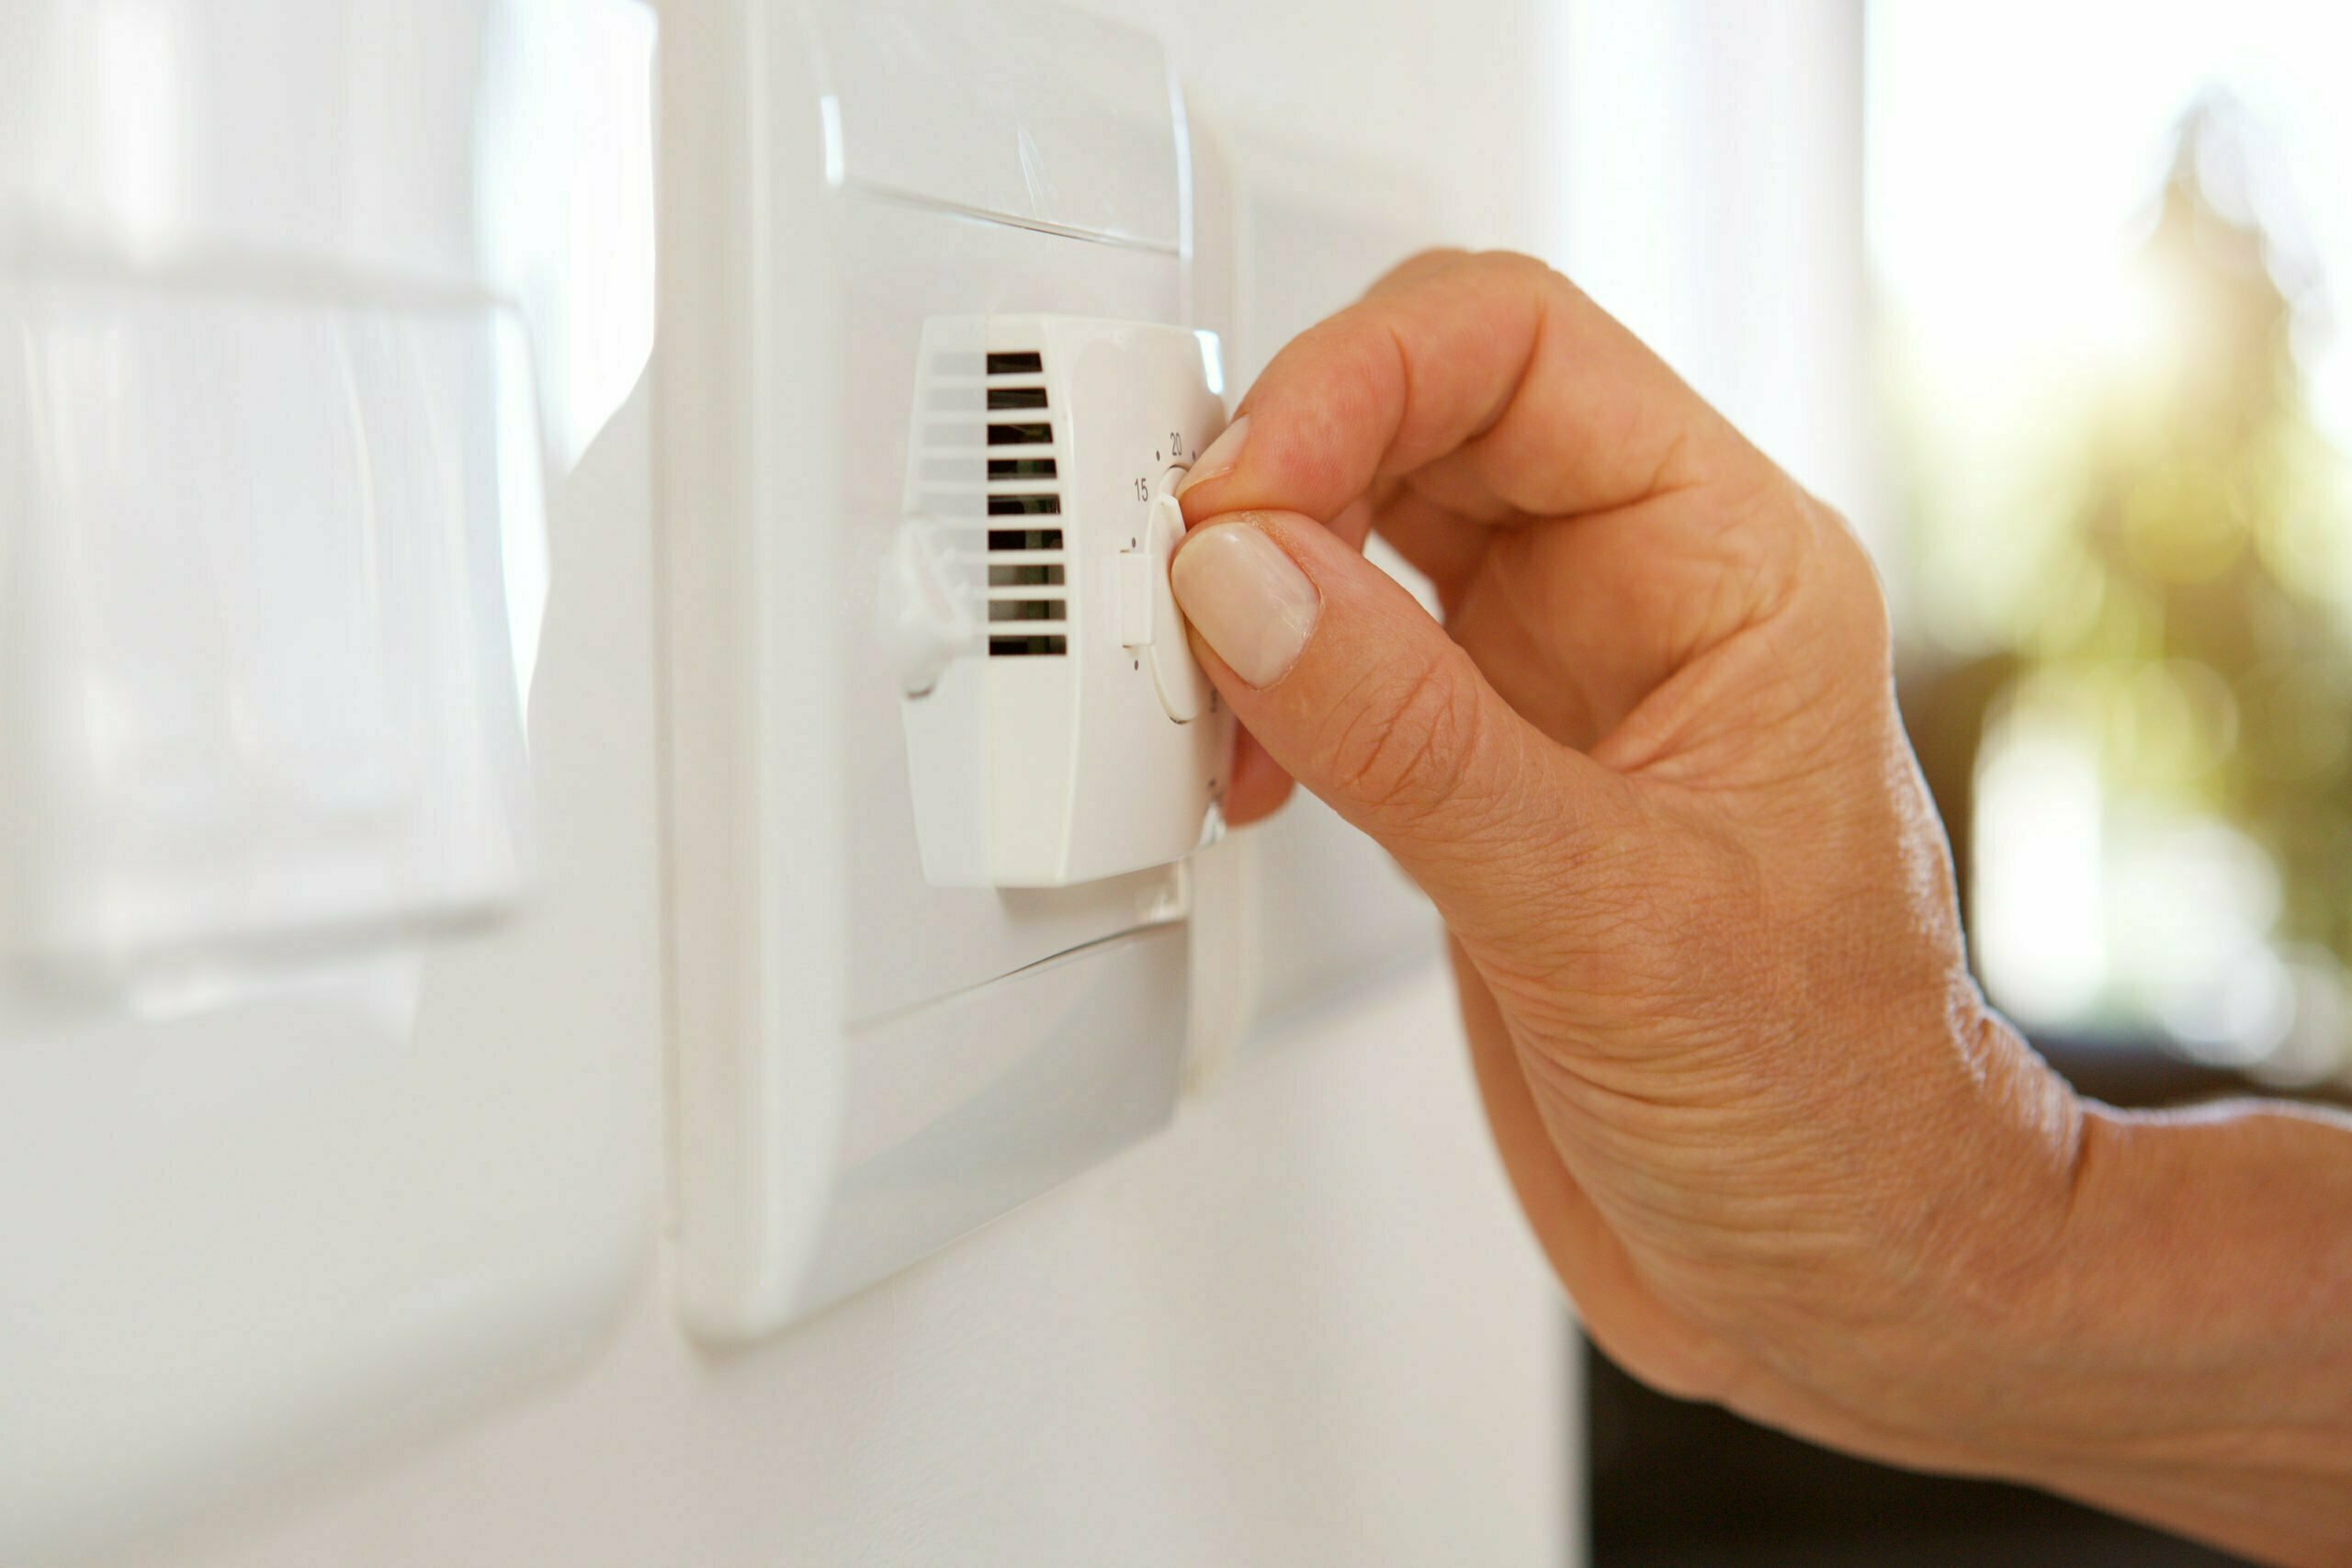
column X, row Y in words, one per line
column 1025, row 576
column 1025, row 609
column 1025, row 540
column 1023, row 468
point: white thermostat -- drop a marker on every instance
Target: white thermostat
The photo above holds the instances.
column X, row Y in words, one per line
column 1059, row 729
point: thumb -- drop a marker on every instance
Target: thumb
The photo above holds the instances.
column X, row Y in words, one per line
column 1351, row 685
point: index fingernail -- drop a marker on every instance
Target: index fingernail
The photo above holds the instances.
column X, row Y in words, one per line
column 1222, row 458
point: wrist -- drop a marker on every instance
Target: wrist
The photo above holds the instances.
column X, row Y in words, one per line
column 1933, row 1325
column 2183, row 1352
column 2203, row 1275
column 1997, row 1261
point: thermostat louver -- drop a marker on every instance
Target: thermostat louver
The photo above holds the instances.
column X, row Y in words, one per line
column 1024, row 481
column 1058, row 728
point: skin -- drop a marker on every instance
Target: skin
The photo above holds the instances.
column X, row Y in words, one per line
column 1649, row 767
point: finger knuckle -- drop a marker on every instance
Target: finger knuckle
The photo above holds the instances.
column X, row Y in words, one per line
column 1533, row 271
column 1515, row 263
column 1422, row 264
column 1860, row 588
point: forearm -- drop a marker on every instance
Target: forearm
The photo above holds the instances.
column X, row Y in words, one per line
column 2195, row 1335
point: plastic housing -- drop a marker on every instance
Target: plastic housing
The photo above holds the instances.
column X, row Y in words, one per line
column 1044, row 752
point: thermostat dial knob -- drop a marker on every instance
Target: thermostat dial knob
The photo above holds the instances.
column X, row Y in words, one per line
column 1150, row 624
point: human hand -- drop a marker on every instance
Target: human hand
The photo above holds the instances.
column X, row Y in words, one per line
column 1702, row 920
column 1651, row 773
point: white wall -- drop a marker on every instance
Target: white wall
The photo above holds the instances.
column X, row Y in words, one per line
column 1715, row 155
column 1303, row 1325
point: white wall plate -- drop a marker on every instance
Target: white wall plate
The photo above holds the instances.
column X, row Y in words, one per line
column 917, row 887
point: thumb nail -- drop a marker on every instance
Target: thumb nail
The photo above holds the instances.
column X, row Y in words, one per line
column 1246, row 598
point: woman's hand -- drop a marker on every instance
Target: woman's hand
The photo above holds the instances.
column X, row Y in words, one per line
column 1702, row 915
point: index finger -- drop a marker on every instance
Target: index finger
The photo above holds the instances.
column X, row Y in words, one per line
column 1493, row 383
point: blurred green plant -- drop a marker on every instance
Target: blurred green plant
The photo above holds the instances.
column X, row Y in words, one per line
column 2147, row 550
